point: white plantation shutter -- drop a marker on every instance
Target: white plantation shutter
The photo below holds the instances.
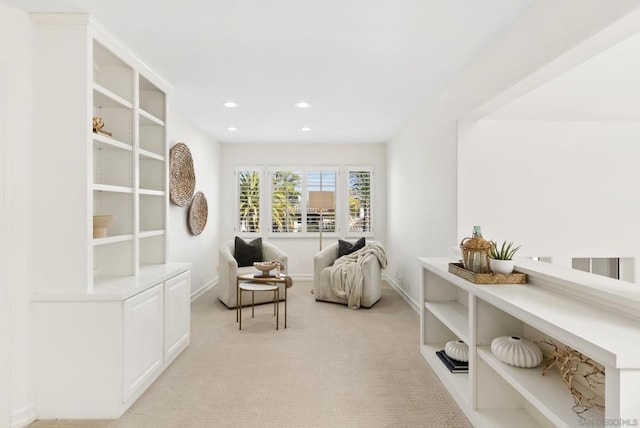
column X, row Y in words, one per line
column 248, row 182
column 286, row 201
column 322, row 180
column 286, row 209
column 360, row 201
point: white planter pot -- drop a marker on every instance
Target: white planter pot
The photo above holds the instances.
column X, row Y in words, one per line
column 516, row 351
column 457, row 349
column 501, row 266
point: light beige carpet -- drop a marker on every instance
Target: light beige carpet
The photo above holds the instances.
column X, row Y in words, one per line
column 332, row 367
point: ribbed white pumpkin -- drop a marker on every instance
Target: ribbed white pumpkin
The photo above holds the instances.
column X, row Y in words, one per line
column 457, row 349
column 516, row 351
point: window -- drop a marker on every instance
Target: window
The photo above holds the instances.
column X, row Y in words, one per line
column 248, row 201
column 287, row 202
column 321, row 181
column 359, row 201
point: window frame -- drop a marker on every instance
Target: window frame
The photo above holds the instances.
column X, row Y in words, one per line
column 342, row 229
column 372, row 207
column 237, row 224
column 303, row 170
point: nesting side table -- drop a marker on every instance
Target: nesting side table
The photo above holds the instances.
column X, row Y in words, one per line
column 253, row 283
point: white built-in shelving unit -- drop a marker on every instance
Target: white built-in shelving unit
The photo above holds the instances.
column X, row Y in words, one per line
column 110, row 313
column 595, row 315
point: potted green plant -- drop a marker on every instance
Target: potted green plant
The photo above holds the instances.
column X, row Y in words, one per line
column 501, row 257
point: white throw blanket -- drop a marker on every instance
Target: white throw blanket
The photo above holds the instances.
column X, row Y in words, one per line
column 346, row 277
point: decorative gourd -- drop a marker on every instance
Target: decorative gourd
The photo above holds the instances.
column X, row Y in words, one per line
column 457, row 349
column 516, row 351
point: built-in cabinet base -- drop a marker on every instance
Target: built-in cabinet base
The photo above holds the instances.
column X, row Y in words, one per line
column 95, row 355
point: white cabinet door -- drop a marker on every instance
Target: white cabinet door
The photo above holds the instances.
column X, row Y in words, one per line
column 143, row 339
column 177, row 319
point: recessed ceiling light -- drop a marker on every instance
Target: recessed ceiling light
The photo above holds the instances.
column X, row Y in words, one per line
column 306, row 129
column 232, row 128
column 303, row 104
column 230, row 104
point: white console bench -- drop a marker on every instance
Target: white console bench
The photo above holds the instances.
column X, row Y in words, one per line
column 597, row 316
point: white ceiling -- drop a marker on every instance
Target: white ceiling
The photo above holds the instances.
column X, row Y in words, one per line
column 605, row 87
column 365, row 66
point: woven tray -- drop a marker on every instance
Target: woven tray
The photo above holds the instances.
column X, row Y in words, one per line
column 488, row 278
column 198, row 212
column 182, row 178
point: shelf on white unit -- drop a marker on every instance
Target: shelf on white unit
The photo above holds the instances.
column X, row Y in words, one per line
column 149, row 119
column 453, row 314
column 105, row 98
column 457, row 383
column 549, row 394
column 151, row 233
column 150, row 155
column 151, row 192
column 111, row 240
column 506, row 418
column 109, row 188
column 104, row 142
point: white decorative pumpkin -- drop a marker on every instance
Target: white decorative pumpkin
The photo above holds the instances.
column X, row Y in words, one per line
column 457, row 349
column 516, row 351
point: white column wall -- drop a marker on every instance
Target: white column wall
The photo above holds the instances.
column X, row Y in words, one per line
column 301, row 250
column 422, row 161
column 16, row 62
column 201, row 250
column 560, row 189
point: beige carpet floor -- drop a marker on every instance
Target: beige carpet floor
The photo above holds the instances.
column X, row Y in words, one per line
column 332, row 367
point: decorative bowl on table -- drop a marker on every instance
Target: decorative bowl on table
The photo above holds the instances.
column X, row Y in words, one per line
column 265, row 268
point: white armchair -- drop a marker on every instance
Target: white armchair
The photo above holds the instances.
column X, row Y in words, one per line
column 228, row 271
column 371, row 270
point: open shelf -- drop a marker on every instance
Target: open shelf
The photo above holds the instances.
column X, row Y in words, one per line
column 149, row 119
column 457, row 383
column 104, row 142
column 150, row 155
column 452, row 314
column 152, row 249
column 111, row 240
column 102, row 97
column 548, row 393
column 112, row 166
column 152, row 137
column 495, row 394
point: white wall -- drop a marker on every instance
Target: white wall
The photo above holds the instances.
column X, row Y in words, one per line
column 422, row 161
column 561, row 189
column 201, row 250
column 16, row 391
column 301, row 250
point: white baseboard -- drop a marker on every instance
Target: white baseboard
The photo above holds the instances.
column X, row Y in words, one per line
column 199, row 292
column 414, row 305
column 23, row 417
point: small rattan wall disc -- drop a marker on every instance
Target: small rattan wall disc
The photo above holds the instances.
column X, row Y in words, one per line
column 182, row 178
column 198, row 212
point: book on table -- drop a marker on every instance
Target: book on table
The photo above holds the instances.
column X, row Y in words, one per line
column 453, row 365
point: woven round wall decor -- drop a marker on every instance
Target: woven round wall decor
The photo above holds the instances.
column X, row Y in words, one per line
column 182, row 178
column 198, row 212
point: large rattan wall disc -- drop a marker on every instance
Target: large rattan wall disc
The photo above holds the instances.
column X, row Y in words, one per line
column 198, row 212
column 182, row 178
